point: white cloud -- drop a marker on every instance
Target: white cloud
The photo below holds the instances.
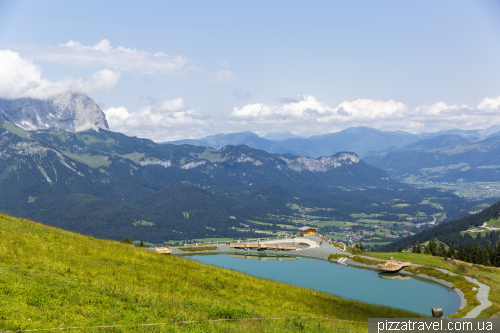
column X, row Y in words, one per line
column 366, row 108
column 307, row 107
column 221, row 76
column 306, row 115
column 20, row 77
column 170, row 120
column 254, row 111
column 104, row 55
column 490, row 104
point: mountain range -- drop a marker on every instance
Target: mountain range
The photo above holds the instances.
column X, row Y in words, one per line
column 363, row 141
column 59, row 164
column 448, row 158
column 110, row 185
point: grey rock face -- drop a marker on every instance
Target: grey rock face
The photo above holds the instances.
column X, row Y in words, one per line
column 72, row 112
column 321, row 164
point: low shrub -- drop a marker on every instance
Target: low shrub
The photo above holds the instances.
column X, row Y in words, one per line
column 365, row 261
column 196, row 249
column 336, row 256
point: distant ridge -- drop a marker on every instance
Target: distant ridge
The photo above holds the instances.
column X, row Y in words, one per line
column 364, row 141
column 276, row 136
column 445, row 158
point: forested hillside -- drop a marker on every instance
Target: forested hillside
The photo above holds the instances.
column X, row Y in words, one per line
column 450, row 233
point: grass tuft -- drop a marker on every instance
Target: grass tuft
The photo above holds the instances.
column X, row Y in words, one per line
column 336, row 256
column 365, row 261
column 197, row 249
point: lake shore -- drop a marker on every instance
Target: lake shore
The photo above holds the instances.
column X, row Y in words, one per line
column 324, row 250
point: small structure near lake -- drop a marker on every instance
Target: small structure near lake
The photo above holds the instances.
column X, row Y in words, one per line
column 392, row 266
column 308, row 231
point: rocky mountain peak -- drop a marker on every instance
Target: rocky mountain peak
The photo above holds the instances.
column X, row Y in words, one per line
column 74, row 112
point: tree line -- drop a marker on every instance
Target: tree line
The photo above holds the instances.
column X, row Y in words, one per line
column 488, row 255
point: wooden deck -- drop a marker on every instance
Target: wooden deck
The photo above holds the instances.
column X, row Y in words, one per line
column 392, row 266
column 262, row 246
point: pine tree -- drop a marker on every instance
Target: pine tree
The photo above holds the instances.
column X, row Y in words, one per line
column 461, row 252
column 400, row 249
column 433, row 247
column 469, row 253
column 486, row 260
column 127, row 241
column 419, row 250
column 451, row 251
column 442, row 250
column 142, row 244
column 361, row 247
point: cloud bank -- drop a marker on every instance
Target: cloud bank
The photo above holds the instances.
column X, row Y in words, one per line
column 169, row 120
column 305, row 115
column 104, row 55
column 20, row 77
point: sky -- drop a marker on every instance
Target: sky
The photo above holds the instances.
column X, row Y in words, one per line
column 169, row 70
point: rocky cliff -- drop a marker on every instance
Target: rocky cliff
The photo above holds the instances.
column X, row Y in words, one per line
column 72, row 112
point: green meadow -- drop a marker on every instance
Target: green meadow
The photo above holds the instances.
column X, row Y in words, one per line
column 51, row 278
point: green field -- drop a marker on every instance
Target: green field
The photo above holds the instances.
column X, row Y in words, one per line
column 374, row 221
column 286, row 226
column 261, row 223
column 92, row 161
column 400, row 205
column 340, row 224
column 53, row 278
column 460, row 190
column 363, row 215
column 495, row 223
column 365, row 244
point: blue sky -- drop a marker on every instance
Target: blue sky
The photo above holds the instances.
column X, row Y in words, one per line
column 194, row 68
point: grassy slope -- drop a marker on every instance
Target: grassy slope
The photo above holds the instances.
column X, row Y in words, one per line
column 53, row 278
column 487, row 275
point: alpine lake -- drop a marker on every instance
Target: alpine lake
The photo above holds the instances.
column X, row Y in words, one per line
column 364, row 285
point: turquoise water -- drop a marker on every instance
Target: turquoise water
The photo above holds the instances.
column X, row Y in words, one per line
column 395, row 290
